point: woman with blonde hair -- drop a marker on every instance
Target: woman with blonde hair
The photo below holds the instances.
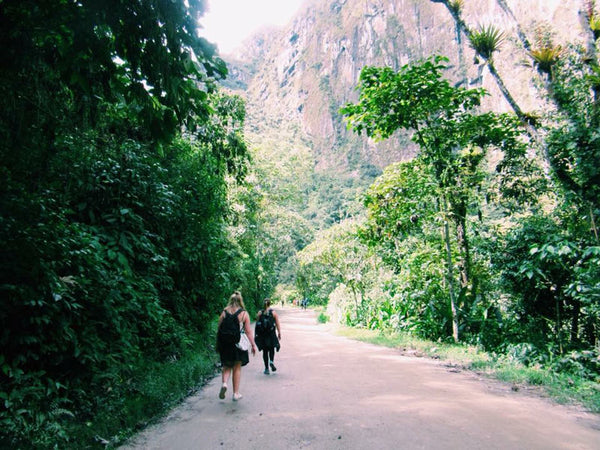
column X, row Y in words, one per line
column 233, row 358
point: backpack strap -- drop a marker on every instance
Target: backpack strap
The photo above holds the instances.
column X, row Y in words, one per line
column 236, row 314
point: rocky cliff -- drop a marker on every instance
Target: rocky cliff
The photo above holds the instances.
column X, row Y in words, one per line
column 298, row 77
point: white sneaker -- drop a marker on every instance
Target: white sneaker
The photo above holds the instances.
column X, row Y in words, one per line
column 237, row 397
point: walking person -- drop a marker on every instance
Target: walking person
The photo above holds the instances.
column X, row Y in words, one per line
column 234, row 317
column 268, row 334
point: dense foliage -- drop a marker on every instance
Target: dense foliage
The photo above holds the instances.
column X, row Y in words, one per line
column 117, row 153
column 129, row 211
column 453, row 138
column 484, row 244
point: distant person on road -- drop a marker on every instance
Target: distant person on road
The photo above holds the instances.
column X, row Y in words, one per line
column 267, row 334
column 304, row 302
column 232, row 358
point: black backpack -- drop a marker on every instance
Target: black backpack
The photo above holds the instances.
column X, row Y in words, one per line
column 266, row 323
column 229, row 330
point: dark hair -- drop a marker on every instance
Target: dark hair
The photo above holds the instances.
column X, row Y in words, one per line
column 267, row 302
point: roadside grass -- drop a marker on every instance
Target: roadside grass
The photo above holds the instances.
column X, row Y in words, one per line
column 562, row 388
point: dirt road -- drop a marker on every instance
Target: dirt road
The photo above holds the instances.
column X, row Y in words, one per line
column 330, row 393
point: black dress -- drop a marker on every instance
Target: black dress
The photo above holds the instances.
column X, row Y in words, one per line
column 230, row 354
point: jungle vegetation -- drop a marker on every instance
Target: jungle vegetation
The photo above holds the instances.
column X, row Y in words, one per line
column 120, row 235
column 131, row 206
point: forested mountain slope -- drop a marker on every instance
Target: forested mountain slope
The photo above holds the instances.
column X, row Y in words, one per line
column 301, row 75
column 296, row 79
column 489, row 234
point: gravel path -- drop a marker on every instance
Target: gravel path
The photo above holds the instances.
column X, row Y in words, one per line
column 332, row 393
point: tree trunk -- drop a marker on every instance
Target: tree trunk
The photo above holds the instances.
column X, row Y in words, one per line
column 353, row 289
column 592, row 56
column 575, row 321
column 461, row 55
column 505, row 92
column 593, row 222
column 520, row 32
column 450, row 275
column 558, row 326
column 532, row 131
column 464, row 265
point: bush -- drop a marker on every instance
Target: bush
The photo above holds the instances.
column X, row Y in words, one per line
column 323, row 318
column 583, row 364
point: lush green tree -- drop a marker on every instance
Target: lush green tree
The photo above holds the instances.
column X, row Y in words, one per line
column 124, row 258
column 338, row 270
column 550, row 270
column 281, row 174
column 573, row 145
column 403, row 228
column 553, row 277
column 114, row 217
column 321, row 267
column 569, row 80
column 145, row 56
column 402, row 202
column 453, row 138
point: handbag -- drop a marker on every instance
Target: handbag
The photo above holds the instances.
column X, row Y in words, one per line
column 244, row 343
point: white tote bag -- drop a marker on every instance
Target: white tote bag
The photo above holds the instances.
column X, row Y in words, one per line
column 244, row 343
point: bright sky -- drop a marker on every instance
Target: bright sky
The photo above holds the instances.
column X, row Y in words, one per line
column 228, row 22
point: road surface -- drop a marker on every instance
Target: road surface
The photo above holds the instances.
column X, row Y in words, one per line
column 330, row 392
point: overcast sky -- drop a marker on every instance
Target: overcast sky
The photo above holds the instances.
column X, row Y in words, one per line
column 228, row 22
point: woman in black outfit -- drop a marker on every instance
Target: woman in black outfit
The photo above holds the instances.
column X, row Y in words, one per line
column 268, row 334
column 232, row 358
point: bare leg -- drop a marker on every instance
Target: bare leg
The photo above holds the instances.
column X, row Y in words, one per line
column 237, row 375
column 225, row 378
column 225, row 375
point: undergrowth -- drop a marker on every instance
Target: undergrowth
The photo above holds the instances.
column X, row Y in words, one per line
column 112, row 416
column 158, row 388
